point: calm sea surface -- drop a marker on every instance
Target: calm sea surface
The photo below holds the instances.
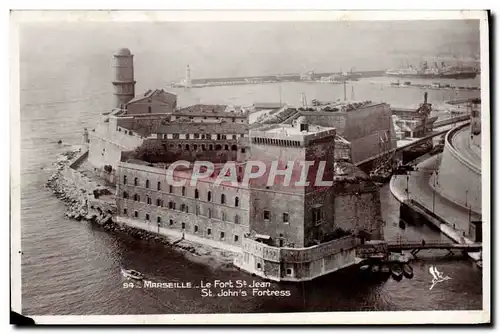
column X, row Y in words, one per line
column 71, row 267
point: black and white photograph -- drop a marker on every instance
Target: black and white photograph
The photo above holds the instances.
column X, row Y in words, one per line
column 244, row 167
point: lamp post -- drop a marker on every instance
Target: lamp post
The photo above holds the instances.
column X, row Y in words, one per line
column 434, row 190
column 408, row 184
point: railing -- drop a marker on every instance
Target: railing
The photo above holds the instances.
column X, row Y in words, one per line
column 298, row 255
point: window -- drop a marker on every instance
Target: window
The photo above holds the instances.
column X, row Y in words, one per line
column 209, row 213
column 136, row 214
column 209, row 196
column 125, row 211
column 222, row 236
column 175, row 136
column 147, row 216
column 183, row 191
column 211, row 147
column 242, row 150
column 183, row 226
column 196, row 135
column 187, row 136
column 187, row 147
column 158, row 219
column 137, row 198
column 267, row 215
column 159, row 202
column 285, row 218
column 209, row 231
column 183, row 206
column 170, row 189
column 124, row 179
column 148, row 200
column 236, row 219
column 317, row 215
column 235, row 238
column 125, row 194
column 218, row 136
column 149, row 109
column 203, row 147
column 171, row 205
column 233, row 119
column 136, row 182
column 223, row 216
column 158, row 186
column 233, row 148
column 236, row 201
column 259, row 266
column 222, row 199
column 147, row 183
column 195, row 228
column 226, row 147
column 195, row 147
column 170, row 222
column 234, row 137
column 196, row 193
column 289, row 271
column 218, row 147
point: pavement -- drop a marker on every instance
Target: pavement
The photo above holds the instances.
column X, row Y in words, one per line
column 419, row 188
column 461, row 142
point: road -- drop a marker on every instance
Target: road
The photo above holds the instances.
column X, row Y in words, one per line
column 420, row 190
column 460, row 141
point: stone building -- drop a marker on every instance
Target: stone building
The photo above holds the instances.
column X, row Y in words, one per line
column 300, row 232
column 280, row 229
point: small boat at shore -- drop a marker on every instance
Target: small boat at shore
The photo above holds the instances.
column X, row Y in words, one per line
column 364, row 267
column 130, row 273
column 407, row 270
column 397, row 272
column 385, row 269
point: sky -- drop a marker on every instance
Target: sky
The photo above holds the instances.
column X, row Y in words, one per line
column 220, row 49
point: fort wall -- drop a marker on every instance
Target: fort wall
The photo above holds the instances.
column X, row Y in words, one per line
column 459, row 180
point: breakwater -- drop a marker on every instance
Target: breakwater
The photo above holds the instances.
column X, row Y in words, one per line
column 86, row 200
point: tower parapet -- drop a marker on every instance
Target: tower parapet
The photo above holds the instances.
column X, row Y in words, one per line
column 123, row 83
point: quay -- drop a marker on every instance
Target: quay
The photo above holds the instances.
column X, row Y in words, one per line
column 415, row 192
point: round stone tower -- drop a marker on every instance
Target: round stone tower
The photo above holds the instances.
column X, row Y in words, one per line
column 123, row 83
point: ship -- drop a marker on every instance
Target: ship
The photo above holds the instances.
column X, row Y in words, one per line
column 436, row 72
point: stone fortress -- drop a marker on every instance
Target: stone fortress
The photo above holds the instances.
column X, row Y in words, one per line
column 279, row 232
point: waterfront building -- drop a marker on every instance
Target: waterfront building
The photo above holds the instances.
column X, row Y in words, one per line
column 278, row 230
column 459, row 176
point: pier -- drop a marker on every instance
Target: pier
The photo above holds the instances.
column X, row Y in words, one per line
column 417, row 246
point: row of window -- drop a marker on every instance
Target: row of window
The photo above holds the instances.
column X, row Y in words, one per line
column 183, row 225
column 202, row 136
column 184, row 208
column 171, row 191
column 204, row 147
column 233, row 119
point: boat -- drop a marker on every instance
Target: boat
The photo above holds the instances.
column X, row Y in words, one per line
column 397, row 272
column 424, row 71
column 130, row 273
column 407, row 270
column 364, row 267
column 385, row 269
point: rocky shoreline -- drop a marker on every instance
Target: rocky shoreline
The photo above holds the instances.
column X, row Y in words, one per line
column 82, row 205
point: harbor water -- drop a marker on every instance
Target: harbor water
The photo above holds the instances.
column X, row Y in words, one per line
column 71, row 267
